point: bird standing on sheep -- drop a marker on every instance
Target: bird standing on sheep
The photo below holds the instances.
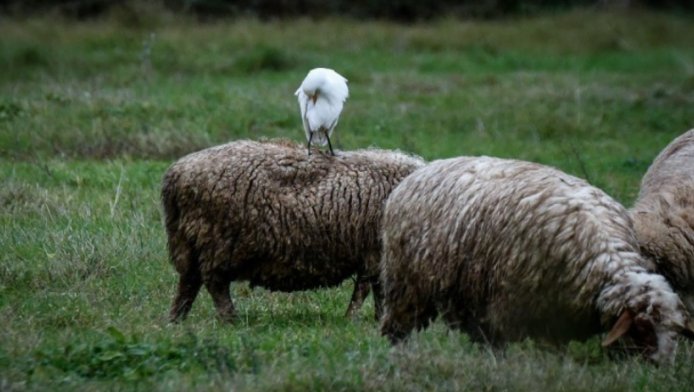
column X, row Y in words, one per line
column 507, row 250
column 321, row 97
column 664, row 215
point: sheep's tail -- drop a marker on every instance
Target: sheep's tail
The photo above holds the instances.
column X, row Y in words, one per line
column 168, row 199
column 172, row 214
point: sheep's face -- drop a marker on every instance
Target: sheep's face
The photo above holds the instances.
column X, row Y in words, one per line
column 656, row 341
column 653, row 341
column 664, row 352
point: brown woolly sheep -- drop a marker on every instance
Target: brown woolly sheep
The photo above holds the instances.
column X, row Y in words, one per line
column 268, row 213
column 663, row 215
column 507, row 250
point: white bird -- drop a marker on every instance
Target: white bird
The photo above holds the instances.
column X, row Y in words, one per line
column 321, row 96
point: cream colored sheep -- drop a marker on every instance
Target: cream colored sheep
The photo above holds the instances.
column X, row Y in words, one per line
column 507, row 250
column 664, row 215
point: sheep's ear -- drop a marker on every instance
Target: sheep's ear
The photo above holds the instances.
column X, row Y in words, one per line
column 688, row 331
column 620, row 328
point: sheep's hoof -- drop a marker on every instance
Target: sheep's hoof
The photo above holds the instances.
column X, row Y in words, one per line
column 352, row 314
column 396, row 336
column 228, row 318
column 177, row 316
column 397, row 340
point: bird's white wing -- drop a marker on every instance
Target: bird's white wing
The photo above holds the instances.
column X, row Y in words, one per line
column 303, row 105
column 339, row 92
column 338, row 85
column 322, row 117
column 333, row 112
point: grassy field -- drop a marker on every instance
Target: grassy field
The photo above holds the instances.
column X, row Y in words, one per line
column 92, row 114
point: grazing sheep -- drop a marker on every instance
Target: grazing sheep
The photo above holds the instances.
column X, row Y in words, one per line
column 506, row 250
column 267, row 213
column 663, row 216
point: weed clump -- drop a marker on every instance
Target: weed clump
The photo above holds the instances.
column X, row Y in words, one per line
column 265, row 58
column 10, row 111
column 117, row 356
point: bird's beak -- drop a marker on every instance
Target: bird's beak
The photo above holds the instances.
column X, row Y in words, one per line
column 314, row 97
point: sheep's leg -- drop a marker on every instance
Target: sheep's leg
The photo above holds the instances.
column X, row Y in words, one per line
column 188, row 288
column 405, row 311
column 396, row 327
column 219, row 290
column 378, row 298
column 361, row 291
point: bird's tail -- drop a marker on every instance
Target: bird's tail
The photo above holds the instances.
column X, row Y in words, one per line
column 319, row 138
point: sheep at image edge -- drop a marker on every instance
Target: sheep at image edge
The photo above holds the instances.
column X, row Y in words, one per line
column 506, row 250
column 663, row 215
column 267, row 213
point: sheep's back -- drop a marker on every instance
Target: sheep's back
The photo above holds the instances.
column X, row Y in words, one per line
column 673, row 168
column 498, row 235
column 273, row 215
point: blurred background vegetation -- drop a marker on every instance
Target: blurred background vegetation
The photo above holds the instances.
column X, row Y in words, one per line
column 98, row 98
column 400, row 10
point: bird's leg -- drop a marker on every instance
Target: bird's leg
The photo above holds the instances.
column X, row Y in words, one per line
column 330, row 146
column 309, row 143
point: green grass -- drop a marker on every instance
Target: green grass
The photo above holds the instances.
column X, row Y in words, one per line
column 92, row 114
